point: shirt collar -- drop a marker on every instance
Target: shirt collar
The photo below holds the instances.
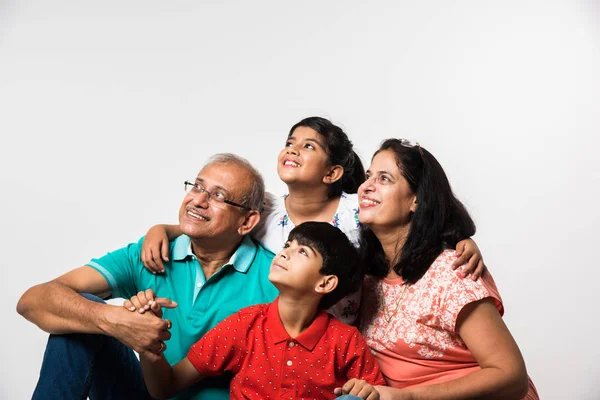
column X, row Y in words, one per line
column 241, row 259
column 308, row 339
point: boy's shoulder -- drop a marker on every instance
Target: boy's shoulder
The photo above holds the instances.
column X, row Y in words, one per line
column 342, row 329
column 253, row 311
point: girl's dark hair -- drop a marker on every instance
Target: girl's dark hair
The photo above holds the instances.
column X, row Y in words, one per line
column 440, row 220
column 340, row 151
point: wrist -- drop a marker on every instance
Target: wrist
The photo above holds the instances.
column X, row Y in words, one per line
column 106, row 317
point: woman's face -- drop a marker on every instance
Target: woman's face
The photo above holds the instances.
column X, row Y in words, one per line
column 303, row 158
column 385, row 198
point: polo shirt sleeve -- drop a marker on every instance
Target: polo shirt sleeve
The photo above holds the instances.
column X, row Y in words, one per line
column 222, row 349
column 120, row 269
column 360, row 362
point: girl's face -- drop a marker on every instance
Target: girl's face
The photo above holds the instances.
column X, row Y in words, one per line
column 303, row 159
column 385, row 198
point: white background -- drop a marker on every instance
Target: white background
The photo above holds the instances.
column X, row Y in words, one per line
column 107, row 107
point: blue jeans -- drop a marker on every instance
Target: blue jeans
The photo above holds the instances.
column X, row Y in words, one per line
column 79, row 365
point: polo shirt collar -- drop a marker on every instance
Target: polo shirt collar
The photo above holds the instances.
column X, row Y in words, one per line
column 308, row 339
column 241, row 259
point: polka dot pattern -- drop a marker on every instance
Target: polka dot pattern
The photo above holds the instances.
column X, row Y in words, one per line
column 269, row 364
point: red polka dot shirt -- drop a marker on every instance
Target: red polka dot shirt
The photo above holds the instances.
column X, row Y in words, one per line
column 267, row 363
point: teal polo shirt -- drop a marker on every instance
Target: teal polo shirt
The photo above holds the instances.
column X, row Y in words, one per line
column 202, row 303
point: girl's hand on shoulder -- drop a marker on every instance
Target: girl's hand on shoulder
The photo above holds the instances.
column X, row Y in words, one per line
column 360, row 388
column 470, row 258
column 155, row 249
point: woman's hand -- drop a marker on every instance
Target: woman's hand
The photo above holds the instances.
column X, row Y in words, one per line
column 470, row 257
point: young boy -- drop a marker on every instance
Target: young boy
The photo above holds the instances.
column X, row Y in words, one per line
column 290, row 348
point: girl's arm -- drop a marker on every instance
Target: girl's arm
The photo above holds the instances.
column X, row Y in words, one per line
column 502, row 375
column 155, row 248
column 164, row 381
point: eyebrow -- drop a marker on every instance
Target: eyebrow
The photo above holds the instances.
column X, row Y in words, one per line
column 309, row 248
column 221, row 188
column 308, row 140
column 383, row 171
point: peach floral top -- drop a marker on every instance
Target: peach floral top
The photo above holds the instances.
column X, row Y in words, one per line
column 414, row 339
column 419, row 344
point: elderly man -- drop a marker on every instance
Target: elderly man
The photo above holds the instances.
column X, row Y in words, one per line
column 215, row 269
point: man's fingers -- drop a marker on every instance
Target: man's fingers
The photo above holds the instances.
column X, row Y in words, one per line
column 337, row 391
column 166, row 303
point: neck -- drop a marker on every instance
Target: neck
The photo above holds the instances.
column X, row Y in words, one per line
column 212, row 255
column 310, row 204
column 392, row 241
column 297, row 313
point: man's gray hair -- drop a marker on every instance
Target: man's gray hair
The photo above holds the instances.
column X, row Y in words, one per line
column 253, row 198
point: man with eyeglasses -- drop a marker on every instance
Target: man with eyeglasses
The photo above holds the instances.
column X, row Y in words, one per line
column 214, row 269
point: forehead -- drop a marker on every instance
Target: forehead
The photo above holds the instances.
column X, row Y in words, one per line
column 304, row 132
column 231, row 177
column 384, row 161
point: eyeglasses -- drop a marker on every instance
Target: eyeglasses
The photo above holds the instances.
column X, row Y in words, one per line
column 214, row 197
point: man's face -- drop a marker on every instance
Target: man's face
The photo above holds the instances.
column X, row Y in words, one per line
column 201, row 219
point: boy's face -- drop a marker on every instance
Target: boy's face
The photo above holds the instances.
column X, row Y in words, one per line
column 296, row 267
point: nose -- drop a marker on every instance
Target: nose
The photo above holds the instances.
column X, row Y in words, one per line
column 292, row 150
column 201, row 199
column 367, row 186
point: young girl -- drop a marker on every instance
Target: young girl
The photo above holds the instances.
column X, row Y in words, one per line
column 322, row 173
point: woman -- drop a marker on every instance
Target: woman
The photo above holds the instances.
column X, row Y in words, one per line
column 435, row 334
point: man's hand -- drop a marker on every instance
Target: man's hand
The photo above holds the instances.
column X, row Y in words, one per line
column 358, row 388
column 144, row 333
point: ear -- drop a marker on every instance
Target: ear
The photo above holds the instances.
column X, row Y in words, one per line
column 326, row 284
column 334, row 173
column 413, row 206
column 251, row 219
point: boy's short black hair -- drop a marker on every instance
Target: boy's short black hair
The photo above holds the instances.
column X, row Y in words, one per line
column 340, row 257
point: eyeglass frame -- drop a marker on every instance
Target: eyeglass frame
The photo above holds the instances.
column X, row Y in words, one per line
column 202, row 189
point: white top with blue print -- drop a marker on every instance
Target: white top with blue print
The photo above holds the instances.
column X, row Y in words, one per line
column 275, row 227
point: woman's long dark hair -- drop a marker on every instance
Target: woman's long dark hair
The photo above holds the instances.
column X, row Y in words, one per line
column 440, row 220
column 340, row 151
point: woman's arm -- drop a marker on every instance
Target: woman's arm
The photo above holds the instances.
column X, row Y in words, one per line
column 502, row 375
column 155, row 248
